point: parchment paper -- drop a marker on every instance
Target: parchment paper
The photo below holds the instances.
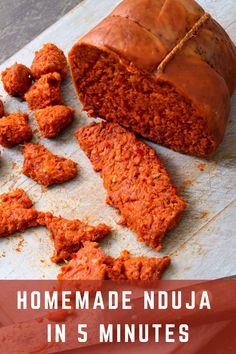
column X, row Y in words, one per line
column 204, row 243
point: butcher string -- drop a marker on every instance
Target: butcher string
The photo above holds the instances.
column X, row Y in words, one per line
column 192, row 32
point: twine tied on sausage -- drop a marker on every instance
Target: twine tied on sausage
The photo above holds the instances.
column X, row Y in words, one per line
column 192, row 32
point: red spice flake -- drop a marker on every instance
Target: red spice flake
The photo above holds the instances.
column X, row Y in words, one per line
column 188, row 182
column 201, row 167
column 20, row 245
column 203, row 214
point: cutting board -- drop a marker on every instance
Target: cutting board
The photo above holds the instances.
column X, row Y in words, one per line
column 203, row 246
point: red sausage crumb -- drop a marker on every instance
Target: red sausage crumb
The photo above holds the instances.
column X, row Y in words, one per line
column 16, row 213
column 49, row 59
column 69, row 235
column 52, row 120
column 45, row 92
column 46, row 168
column 14, row 129
column 17, row 80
